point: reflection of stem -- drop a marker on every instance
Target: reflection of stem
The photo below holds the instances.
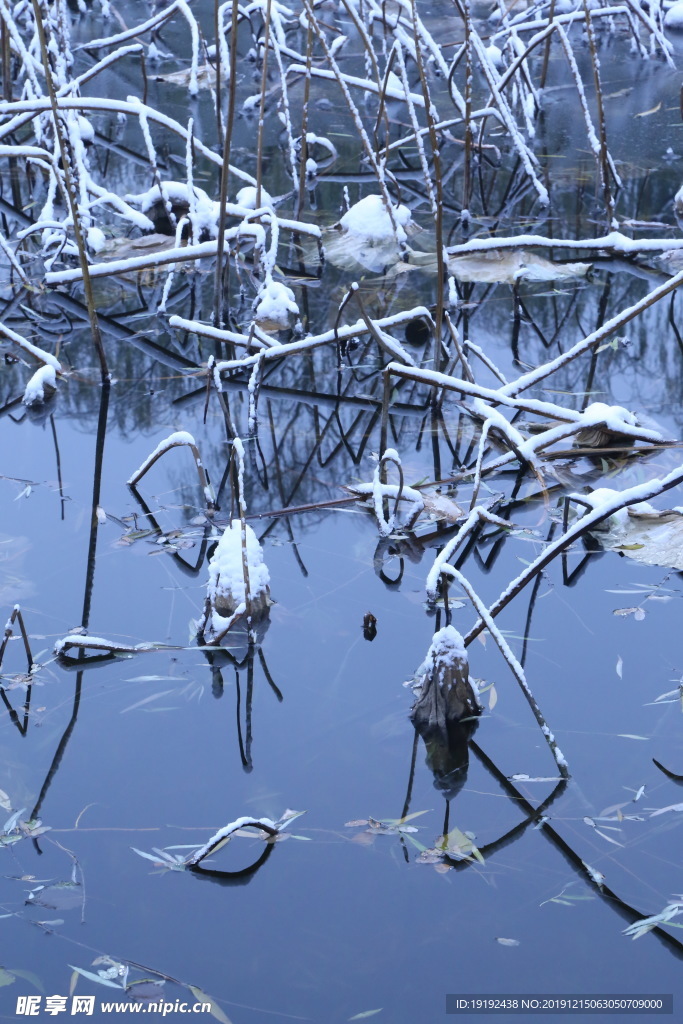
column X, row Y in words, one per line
column 248, row 707
column 266, row 671
column 87, row 595
column 534, row 814
column 14, row 717
column 57, row 759
column 411, row 776
column 97, row 482
column 281, row 488
column 59, row 463
column 243, row 756
column 532, row 603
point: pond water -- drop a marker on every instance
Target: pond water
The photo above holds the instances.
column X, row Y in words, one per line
column 360, row 913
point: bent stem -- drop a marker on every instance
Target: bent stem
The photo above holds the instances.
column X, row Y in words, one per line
column 514, row 665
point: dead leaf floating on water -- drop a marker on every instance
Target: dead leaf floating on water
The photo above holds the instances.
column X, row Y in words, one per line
column 637, row 613
column 206, row 77
column 507, row 266
column 645, row 535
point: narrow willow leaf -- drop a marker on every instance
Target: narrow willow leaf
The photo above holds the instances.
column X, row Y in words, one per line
column 215, row 1010
column 95, row 977
column 608, row 838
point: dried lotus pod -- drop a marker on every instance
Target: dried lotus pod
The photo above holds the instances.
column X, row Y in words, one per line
column 602, row 437
column 447, row 694
column 604, row 431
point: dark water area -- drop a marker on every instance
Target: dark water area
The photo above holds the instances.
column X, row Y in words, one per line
column 347, row 919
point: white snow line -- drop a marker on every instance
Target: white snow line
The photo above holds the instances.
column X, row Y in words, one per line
column 180, row 254
column 136, row 30
column 38, row 106
column 360, row 83
column 514, row 664
column 621, row 499
column 217, row 333
column 39, row 353
column 614, row 242
column 314, row 341
column 527, row 380
column 223, row 835
column 180, row 438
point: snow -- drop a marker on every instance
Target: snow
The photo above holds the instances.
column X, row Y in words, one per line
column 447, row 646
column 85, row 129
column 96, row 239
column 447, row 650
column 44, row 377
column 614, row 417
column 225, row 832
column 673, row 18
column 85, row 640
column 369, row 219
column 226, row 577
column 603, row 495
column 594, row 875
column 204, row 211
column 275, row 303
column 238, row 449
column 396, row 93
column 389, row 491
column 311, row 341
column 496, row 419
column 614, row 241
column 495, row 55
column 180, row 254
column 246, row 197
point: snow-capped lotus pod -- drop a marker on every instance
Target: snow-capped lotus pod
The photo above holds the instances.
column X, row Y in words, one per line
column 446, row 692
column 605, row 431
column 275, row 307
column 226, row 587
column 369, row 219
column 41, row 386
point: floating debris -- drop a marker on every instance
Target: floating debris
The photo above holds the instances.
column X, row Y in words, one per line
column 508, row 266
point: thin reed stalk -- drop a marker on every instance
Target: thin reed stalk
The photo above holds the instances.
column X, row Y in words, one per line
column 222, row 273
column 66, row 155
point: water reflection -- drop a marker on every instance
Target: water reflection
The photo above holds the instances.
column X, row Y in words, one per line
column 312, row 423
